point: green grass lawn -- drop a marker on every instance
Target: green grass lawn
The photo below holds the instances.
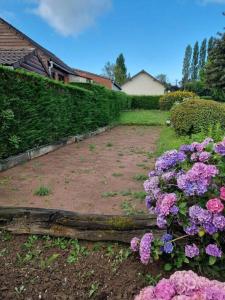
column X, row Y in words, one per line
column 144, row 117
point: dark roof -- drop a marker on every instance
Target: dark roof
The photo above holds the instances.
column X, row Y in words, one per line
column 10, row 56
column 52, row 56
column 143, row 72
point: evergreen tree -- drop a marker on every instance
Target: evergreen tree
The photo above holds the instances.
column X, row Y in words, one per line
column 120, row 70
column 215, row 68
column 195, row 62
column 108, row 70
column 210, row 45
column 187, row 64
column 202, row 57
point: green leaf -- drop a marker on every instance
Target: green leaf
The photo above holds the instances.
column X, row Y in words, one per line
column 168, row 267
column 212, row 260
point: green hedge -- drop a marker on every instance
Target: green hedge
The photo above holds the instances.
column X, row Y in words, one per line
column 195, row 115
column 144, row 102
column 36, row 111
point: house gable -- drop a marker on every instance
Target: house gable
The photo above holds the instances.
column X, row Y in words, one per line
column 143, row 84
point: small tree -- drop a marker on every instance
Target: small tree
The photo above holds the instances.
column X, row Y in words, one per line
column 211, row 44
column 162, row 78
column 108, row 70
column 187, row 64
column 195, row 62
column 120, row 70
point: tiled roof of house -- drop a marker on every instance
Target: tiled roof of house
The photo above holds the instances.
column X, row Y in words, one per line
column 52, row 56
column 11, row 56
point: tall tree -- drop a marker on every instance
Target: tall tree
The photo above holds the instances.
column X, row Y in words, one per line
column 215, row 68
column 210, row 45
column 187, row 64
column 195, row 62
column 202, row 57
column 120, row 70
column 108, row 70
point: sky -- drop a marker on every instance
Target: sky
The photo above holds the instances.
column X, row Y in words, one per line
column 85, row 34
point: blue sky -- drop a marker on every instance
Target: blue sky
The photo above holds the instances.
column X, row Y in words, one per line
column 152, row 34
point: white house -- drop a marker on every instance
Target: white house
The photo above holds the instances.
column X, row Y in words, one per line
column 143, row 84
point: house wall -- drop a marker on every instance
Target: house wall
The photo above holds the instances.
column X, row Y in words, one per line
column 143, row 85
column 33, row 64
column 73, row 78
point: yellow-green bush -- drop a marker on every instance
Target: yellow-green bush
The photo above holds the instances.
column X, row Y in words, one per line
column 167, row 101
column 195, row 115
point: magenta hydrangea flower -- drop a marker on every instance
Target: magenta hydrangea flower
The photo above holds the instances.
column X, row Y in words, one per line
column 215, row 205
column 164, row 290
column 191, row 250
column 145, row 248
column 222, row 193
column 168, row 200
column 134, row 244
column 213, row 250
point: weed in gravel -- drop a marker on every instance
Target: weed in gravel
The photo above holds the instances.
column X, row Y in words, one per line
column 126, row 193
column 3, row 252
column 61, row 243
column 109, row 194
column 117, row 174
column 93, row 289
column 140, row 177
column 76, row 252
column 120, row 154
column 129, row 209
column 139, row 195
column 92, row 147
column 152, row 280
column 20, row 289
column 109, row 144
column 42, row 191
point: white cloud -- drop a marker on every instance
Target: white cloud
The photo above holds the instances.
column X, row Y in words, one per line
column 71, row 17
column 212, row 1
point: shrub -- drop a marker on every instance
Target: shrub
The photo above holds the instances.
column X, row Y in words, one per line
column 35, row 110
column 198, row 87
column 167, row 101
column 192, row 116
column 145, row 102
column 186, row 192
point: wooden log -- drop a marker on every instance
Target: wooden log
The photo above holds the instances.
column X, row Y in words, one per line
column 91, row 227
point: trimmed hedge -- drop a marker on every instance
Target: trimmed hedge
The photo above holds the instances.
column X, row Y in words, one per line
column 167, row 101
column 195, row 115
column 144, row 102
column 36, row 111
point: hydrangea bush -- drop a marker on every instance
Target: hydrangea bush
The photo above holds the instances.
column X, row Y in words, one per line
column 186, row 191
column 184, row 285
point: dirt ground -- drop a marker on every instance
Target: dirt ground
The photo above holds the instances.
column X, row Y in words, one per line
column 102, row 174
column 46, row 268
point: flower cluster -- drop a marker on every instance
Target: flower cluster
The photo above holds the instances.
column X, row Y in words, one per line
column 184, row 285
column 185, row 191
column 143, row 246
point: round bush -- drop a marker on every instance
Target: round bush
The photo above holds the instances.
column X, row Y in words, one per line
column 192, row 116
column 167, row 101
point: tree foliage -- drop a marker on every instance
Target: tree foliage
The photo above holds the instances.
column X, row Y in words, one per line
column 187, row 64
column 120, row 70
column 108, row 70
column 194, row 64
column 202, row 56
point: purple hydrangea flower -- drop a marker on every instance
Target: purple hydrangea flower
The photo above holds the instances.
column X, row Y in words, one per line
column 134, row 244
column 168, row 176
column 148, row 202
column 174, row 210
column 161, row 221
column 169, row 159
column 220, row 148
column 145, row 248
column 191, row 250
column 209, row 228
column 166, row 237
column 186, row 148
column 213, row 250
column 219, row 221
column 151, row 184
column 199, row 215
column 204, row 156
column 191, row 230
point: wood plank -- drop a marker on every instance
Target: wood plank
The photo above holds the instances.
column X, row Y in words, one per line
column 91, row 227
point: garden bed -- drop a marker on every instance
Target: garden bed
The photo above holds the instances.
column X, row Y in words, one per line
column 50, row 268
column 101, row 175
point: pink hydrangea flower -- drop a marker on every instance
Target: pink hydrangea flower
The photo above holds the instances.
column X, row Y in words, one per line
column 215, row 205
column 222, row 193
column 164, row 290
column 146, row 294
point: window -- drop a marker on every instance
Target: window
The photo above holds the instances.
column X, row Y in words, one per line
column 61, row 78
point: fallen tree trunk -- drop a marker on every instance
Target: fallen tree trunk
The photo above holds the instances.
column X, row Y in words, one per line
column 89, row 227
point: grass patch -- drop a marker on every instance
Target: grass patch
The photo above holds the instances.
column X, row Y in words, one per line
column 42, row 191
column 109, row 194
column 117, row 174
column 144, row 117
column 168, row 140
